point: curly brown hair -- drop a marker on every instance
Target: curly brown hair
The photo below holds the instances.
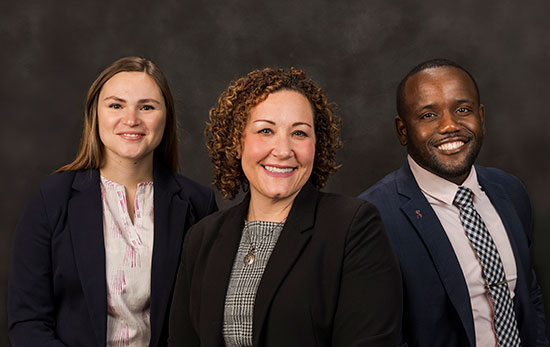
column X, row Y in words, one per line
column 228, row 119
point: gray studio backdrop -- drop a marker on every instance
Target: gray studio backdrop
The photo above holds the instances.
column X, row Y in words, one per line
column 357, row 51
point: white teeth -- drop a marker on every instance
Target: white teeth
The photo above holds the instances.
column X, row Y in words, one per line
column 450, row 145
column 131, row 135
column 278, row 170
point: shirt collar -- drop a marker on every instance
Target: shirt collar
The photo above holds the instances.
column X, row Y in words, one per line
column 439, row 188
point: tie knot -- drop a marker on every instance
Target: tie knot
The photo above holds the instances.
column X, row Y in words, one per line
column 463, row 197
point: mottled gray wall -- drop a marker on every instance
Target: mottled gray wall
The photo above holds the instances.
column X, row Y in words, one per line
column 356, row 50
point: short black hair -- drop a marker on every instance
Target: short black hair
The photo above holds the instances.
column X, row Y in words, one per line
column 428, row 64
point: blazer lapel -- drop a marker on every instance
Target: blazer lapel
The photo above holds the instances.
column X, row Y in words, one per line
column 508, row 215
column 427, row 225
column 85, row 219
column 217, row 273
column 170, row 213
column 517, row 237
column 295, row 235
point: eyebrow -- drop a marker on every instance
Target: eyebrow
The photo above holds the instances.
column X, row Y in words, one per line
column 141, row 101
column 273, row 123
column 434, row 105
column 427, row 107
column 461, row 101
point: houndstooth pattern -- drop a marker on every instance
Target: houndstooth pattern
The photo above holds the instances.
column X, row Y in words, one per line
column 245, row 279
column 493, row 270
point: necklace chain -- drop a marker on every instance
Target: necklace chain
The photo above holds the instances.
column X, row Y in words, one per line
column 251, row 256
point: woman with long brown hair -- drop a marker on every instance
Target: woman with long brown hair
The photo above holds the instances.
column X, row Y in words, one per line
column 96, row 252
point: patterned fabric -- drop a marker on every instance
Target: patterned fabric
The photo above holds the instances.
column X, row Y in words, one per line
column 505, row 320
column 128, row 255
column 244, row 281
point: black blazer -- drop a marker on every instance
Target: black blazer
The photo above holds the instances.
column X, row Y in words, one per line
column 432, row 276
column 332, row 279
column 57, row 286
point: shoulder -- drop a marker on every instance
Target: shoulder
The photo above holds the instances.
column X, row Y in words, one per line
column 57, row 187
column 50, row 202
column 218, row 218
column 192, row 188
column 512, row 185
column 496, row 182
column 209, row 226
column 345, row 211
column 498, row 176
column 341, row 202
column 58, row 180
column 201, row 198
column 384, row 186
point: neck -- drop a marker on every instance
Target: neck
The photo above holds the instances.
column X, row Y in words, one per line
column 128, row 173
column 269, row 210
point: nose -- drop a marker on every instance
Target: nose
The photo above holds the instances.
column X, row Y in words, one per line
column 131, row 117
column 282, row 148
column 448, row 123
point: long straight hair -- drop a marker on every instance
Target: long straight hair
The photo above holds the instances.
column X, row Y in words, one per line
column 91, row 151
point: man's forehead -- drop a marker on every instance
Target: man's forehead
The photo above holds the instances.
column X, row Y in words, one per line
column 436, row 84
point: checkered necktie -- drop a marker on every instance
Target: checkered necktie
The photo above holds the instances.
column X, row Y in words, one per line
column 493, row 271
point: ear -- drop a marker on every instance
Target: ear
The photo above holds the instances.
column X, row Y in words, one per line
column 401, row 129
column 482, row 117
column 239, row 151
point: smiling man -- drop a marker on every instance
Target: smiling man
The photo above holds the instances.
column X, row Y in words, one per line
column 462, row 233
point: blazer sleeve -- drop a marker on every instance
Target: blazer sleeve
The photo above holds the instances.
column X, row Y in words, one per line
column 31, row 302
column 181, row 329
column 370, row 301
column 535, row 291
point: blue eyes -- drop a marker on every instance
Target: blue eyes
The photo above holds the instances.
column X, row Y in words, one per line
column 267, row 131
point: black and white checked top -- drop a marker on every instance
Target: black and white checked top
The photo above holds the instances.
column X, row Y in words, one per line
column 244, row 281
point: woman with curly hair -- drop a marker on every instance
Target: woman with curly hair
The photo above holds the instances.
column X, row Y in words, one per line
column 289, row 265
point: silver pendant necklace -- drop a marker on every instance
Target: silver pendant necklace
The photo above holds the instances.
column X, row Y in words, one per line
column 250, row 256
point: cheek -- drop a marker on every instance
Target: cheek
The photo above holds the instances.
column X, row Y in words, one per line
column 157, row 125
column 419, row 135
column 253, row 147
column 306, row 153
column 103, row 124
column 475, row 127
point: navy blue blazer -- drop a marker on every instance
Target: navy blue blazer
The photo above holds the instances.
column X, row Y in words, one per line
column 437, row 309
column 57, row 287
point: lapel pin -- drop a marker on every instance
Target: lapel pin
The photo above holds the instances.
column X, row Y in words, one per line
column 418, row 214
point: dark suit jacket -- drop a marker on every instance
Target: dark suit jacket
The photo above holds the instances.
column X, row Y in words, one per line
column 437, row 309
column 57, row 286
column 332, row 279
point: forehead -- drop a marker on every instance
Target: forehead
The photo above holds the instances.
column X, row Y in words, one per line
column 130, row 82
column 437, row 86
column 283, row 105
